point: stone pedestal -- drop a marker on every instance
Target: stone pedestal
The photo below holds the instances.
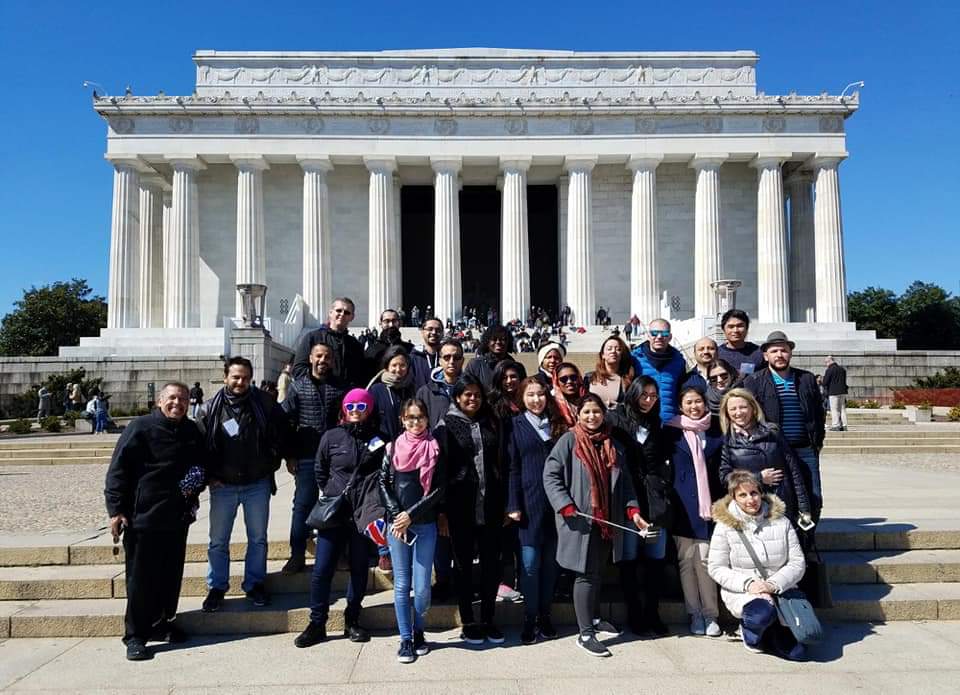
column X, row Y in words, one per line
column 257, row 346
column 317, row 251
column 644, row 285
column 514, row 242
column 707, row 266
column 773, row 297
column 580, row 286
column 447, row 290
column 828, row 230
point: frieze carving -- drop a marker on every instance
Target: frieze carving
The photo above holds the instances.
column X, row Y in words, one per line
column 645, row 126
column 378, row 126
column 313, row 124
column 122, row 125
column 831, row 124
column 711, row 124
column 246, row 125
column 180, row 124
column 581, row 125
column 515, row 126
column 774, row 124
column 445, row 126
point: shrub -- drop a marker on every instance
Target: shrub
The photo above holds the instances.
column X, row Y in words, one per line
column 51, row 423
column 954, row 414
column 118, row 412
column 140, row 410
column 898, row 406
column 21, row 426
column 853, row 403
column 924, row 405
column 949, row 378
column 870, row 405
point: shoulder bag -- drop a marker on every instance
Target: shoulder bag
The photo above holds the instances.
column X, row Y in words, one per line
column 792, row 606
column 325, row 513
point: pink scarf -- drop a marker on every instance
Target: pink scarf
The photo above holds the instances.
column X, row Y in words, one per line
column 690, row 428
column 412, row 452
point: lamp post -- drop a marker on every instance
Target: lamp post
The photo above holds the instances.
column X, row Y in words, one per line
column 254, row 300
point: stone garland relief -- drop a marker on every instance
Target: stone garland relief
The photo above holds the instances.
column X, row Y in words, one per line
column 180, row 124
column 121, row 125
column 774, row 124
column 445, row 126
column 645, row 126
column 711, row 124
column 831, row 124
column 515, row 126
column 247, row 125
column 313, row 124
column 581, row 125
column 378, row 125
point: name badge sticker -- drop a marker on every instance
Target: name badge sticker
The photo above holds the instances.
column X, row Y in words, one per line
column 747, row 368
column 642, row 434
column 375, row 444
column 231, row 427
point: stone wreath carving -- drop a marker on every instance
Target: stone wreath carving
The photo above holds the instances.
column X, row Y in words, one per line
column 247, row 125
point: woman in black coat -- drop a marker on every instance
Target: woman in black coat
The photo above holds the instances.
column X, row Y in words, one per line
column 636, row 423
column 395, row 386
column 530, row 439
column 471, row 439
column 751, row 444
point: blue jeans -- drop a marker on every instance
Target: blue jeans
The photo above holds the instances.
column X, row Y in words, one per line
column 305, row 494
column 538, row 576
column 413, row 563
column 634, row 545
column 811, row 460
column 224, row 501
column 330, row 545
column 761, row 627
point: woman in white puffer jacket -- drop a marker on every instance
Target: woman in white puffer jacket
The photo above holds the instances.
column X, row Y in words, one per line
column 745, row 593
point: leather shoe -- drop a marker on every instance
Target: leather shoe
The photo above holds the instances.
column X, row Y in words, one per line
column 355, row 633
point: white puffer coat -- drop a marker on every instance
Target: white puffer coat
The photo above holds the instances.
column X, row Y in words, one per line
column 773, row 540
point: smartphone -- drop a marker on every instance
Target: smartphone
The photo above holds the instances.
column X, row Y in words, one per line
column 653, row 534
column 411, row 537
column 805, row 525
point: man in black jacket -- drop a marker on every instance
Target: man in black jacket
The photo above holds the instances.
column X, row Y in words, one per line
column 313, row 406
column 835, row 386
column 790, row 398
column 425, row 358
column 245, row 434
column 437, row 393
column 150, row 508
column 351, row 368
column 389, row 336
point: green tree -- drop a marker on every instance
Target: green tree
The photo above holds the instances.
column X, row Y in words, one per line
column 50, row 316
column 875, row 309
column 928, row 318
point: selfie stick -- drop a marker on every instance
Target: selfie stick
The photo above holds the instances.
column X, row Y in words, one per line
column 643, row 534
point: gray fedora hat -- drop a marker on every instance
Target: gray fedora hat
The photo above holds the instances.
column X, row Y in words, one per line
column 777, row 337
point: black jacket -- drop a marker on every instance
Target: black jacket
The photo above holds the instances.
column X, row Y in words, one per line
column 349, row 365
column 341, row 452
column 151, row 458
column 423, row 363
column 765, row 391
column 835, row 380
column 482, row 367
column 766, row 447
column 466, row 499
column 436, row 395
column 402, row 492
column 313, row 408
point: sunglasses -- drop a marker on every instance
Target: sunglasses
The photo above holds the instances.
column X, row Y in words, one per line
column 359, row 407
column 451, row 358
column 718, row 377
column 568, row 379
column 655, row 333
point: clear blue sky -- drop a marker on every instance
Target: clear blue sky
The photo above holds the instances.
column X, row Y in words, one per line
column 900, row 187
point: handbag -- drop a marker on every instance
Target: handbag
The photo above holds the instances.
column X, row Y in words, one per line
column 326, row 510
column 792, row 606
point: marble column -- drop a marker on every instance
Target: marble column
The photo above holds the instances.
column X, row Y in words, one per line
column 183, row 276
column 251, row 244
column 396, row 269
column 580, row 286
column 167, row 205
column 317, row 290
column 514, row 241
column 151, row 253
column 803, row 270
column 644, row 284
column 123, row 301
column 828, row 232
column 707, row 255
column 447, row 290
column 773, row 295
column 382, row 250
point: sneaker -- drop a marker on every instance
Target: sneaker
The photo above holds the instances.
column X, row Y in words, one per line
column 508, row 594
column 137, row 650
column 258, row 596
column 712, row 628
column 697, row 626
column 315, row 633
column 168, row 631
column 385, row 564
column 545, row 627
column 528, row 635
column 406, row 655
column 604, row 627
column 355, row 633
column 420, row 645
column 213, row 602
column 492, row 633
column 294, row 565
column 472, row 634
column 589, row 643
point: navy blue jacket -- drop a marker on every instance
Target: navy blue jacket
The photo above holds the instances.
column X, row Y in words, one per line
column 686, row 519
column 764, row 390
column 387, row 401
column 526, row 454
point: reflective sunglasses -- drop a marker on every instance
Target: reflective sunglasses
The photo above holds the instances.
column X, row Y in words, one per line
column 568, row 379
column 658, row 333
column 359, row 407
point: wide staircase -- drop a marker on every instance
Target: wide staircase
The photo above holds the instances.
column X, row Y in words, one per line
column 890, row 432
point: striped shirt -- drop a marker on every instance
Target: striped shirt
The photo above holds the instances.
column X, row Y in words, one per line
column 792, row 419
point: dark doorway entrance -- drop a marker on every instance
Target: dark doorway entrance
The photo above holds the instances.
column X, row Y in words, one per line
column 543, row 220
column 416, row 249
column 480, row 247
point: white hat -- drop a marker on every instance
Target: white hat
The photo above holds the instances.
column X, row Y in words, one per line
column 547, row 347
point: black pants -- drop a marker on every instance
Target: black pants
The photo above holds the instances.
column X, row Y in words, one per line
column 154, row 572
column 468, row 538
column 641, row 594
column 586, row 587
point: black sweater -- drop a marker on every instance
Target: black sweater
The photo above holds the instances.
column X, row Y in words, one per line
column 149, row 461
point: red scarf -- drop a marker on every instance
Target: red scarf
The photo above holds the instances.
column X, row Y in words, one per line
column 598, row 460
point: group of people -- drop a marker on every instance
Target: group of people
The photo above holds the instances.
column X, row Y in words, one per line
column 484, row 469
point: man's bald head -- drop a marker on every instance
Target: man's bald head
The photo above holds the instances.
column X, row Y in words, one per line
column 705, row 351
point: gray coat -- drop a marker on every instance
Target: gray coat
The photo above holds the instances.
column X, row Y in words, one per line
column 566, row 482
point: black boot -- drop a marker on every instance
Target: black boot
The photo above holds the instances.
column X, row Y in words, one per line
column 315, row 633
column 355, row 633
column 528, row 635
column 652, row 581
column 628, row 587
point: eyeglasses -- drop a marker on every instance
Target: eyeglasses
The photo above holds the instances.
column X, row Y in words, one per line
column 568, row 379
column 716, row 378
column 359, row 407
column 343, row 311
column 414, row 418
column 656, row 333
column 434, row 329
column 498, row 339
column 451, row 358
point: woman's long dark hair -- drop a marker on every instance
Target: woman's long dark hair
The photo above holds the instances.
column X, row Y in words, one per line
column 461, row 385
column 631, row 401
column 557, row 425
column 499, row 399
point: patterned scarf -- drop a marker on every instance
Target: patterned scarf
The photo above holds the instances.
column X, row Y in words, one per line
column 598, row 456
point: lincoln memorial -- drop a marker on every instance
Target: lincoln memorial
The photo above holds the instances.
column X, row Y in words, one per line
column 473, row 176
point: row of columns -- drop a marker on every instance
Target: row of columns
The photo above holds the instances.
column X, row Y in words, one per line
column 155, row 241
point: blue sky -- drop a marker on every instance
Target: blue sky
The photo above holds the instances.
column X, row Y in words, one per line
column 900, row 187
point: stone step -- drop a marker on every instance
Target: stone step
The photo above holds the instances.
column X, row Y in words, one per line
column 892, row 449
column 108, row 581
column 893, row 567
column 37, row 460
column 916, row 435
column 19, row 454
column 289, row 612
column 70, row 442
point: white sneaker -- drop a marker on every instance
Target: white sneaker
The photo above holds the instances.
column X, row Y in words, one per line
column 697, row 626
column 712, row 628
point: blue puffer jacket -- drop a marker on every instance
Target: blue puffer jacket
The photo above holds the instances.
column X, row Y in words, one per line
column 667, row 369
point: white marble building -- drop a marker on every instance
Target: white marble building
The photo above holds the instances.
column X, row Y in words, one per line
column 670, row 171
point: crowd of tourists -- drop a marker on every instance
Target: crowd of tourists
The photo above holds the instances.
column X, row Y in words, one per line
column 492, row 480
